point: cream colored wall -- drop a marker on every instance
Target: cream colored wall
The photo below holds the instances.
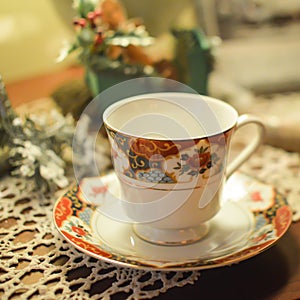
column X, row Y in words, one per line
column 31, row 36
column 32, row 31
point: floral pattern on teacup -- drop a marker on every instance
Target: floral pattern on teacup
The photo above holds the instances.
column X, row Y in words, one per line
column 198, row 163
column 166, row 161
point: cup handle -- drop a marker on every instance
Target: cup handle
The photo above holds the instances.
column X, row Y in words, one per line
column 250, row 148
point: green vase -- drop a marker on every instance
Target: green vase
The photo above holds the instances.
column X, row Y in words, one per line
column 193, row 61
column 98, row 81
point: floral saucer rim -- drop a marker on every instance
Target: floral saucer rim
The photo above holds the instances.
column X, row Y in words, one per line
column 72, row 216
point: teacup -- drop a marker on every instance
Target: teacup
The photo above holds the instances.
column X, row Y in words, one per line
column 170, row 152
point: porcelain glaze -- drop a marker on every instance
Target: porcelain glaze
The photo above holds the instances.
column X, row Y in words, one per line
column 252, row 218
column 170, row 151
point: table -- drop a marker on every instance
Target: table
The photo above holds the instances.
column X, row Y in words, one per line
column 274, row 274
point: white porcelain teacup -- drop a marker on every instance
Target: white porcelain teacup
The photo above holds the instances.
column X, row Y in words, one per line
column 170, row 153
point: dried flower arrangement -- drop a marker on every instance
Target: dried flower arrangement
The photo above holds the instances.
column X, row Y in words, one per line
column 113, row 48
column 107, row 39
column 33, row 148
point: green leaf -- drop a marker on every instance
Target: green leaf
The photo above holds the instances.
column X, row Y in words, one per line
column 84, row 7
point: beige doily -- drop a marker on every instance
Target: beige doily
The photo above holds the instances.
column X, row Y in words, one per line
column 281, row 169
column 36, row 262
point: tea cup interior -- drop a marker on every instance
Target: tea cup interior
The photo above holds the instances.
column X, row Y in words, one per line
column 170, row 116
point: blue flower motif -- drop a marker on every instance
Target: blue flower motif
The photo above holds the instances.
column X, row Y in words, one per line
column 155, row 176
column 260, row 222
column 86, row 215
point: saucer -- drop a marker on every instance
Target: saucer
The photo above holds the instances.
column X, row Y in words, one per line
column 252, row 218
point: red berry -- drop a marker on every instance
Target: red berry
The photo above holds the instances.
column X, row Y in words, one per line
column 99, row 39
column 91, row 15
column 97, row 13
column 82, row 22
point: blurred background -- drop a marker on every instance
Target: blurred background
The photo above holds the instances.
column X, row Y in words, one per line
column 260, row 38
column 256, row 47
column 32, row 33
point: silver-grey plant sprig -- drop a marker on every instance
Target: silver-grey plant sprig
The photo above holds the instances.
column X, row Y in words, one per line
column 36, row 145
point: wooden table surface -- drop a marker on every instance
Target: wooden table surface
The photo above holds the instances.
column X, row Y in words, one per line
column 273, row 274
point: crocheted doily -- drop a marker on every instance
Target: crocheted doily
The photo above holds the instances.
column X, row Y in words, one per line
column 36, row 261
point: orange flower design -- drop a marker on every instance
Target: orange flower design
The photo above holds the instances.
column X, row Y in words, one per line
column 99, row 189
column 148, row 148
column 282, row 219
column 85, row 245
column 78, row 230
column 256, row 196
column 63, row 210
